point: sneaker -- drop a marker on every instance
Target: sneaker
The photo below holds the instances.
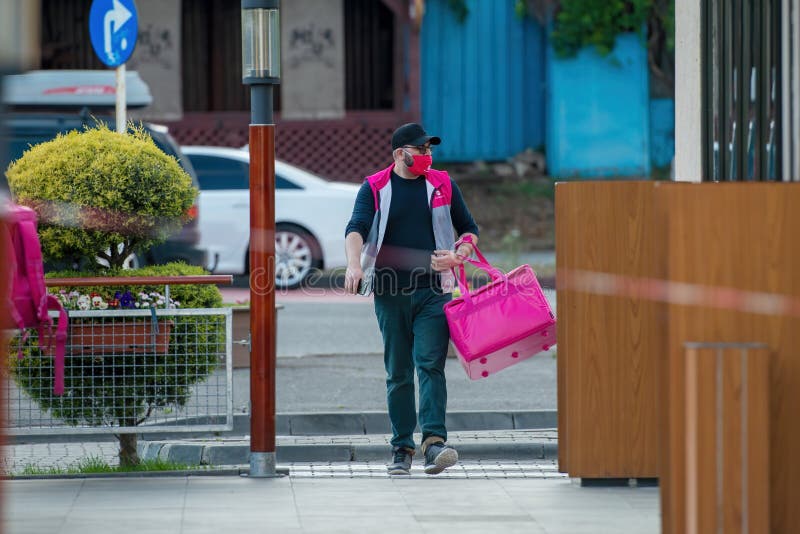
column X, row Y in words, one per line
column 439, row 457
column 401, row 462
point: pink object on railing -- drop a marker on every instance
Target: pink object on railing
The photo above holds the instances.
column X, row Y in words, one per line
column 502, row 323
column 29, row 301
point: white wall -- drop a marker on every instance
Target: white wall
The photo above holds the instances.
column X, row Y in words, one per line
column 688, row 91
column 312, row 59
column 157, row 58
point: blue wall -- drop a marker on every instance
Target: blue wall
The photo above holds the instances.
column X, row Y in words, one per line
column 598, row 112
column 482, row 81
column 662, row 131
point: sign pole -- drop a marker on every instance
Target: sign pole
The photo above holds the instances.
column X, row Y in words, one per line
column 113, row 30
column 121, row 100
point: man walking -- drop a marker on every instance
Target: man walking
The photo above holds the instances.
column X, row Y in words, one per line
column 400, row 243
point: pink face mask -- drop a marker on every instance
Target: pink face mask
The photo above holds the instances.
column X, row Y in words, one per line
column 421, row 163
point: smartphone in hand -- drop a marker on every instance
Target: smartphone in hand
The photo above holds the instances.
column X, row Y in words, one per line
column 364, row 288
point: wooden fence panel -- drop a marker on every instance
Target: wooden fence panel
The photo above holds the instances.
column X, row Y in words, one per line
column 607, row 342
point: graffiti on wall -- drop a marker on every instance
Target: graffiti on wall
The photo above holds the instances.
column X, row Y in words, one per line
column 156, row 45
column 312, row 48
column 157, row 58
column 311, row 44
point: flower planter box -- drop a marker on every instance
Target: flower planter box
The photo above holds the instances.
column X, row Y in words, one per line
column 241, row 331
column 119, row 337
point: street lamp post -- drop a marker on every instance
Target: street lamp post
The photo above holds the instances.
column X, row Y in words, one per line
column 261, row 70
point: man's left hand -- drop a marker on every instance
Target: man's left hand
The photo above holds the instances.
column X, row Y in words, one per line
column 443, row 260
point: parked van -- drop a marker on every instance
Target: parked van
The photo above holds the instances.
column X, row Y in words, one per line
column 42, row 104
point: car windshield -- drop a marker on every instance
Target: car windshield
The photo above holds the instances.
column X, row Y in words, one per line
column 223, row 173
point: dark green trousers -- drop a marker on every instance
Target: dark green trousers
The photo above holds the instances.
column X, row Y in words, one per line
column 415, row 336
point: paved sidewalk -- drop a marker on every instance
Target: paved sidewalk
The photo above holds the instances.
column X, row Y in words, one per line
column 507, row 445
column 330, row 504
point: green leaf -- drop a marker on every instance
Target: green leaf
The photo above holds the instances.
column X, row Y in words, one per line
column 94, row 189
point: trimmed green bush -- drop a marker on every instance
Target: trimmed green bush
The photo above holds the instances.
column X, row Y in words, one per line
column 124, row 389
column 101, row 194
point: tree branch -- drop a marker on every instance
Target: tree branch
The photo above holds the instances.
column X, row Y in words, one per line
column 146, row 415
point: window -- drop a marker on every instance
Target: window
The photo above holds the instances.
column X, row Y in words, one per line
column 285, row 183
column 742, row 90
column 369, row 55
column 215, row 173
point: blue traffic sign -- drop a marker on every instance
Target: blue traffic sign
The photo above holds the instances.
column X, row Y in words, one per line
column 113, row 27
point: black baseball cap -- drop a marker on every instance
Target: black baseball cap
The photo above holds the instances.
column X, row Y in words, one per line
column 412, row 134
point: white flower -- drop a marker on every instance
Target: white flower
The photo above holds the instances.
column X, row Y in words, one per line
column 84, row 303
column 137, row 305
column 97, row 301
column 103, row 305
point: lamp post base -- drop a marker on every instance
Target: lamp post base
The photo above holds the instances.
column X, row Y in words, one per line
column 262, row 465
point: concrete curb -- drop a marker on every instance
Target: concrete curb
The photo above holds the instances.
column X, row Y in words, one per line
column 328, row 424
column 239, row 454
column 234, row 471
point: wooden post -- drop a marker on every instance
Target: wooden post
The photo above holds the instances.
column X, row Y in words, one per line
column 262, row 299
column 726, row 435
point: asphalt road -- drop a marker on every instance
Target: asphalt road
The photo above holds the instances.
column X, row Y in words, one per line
column 332, row 325
column 330, row 358
column 321, row 327
column 357, row 383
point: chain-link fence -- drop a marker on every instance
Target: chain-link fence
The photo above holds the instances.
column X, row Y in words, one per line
column 125, row 371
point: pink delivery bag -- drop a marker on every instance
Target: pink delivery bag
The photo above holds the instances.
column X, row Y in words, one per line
column 502, row 323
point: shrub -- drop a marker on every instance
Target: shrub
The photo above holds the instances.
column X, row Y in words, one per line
column 101, row 194
column 124, row 389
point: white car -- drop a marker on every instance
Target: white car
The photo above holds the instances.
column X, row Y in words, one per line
column 310, row 215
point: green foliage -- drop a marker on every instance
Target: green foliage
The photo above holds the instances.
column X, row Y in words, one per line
column 124, row 389
column 596, row 23
column 666, row 13
column 540, row 188
column 459, row 9
column 97, row 189
column 520, row 9
column 96, row 464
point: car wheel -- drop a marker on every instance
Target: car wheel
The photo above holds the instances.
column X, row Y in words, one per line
column 297, row 254
column 130, row 262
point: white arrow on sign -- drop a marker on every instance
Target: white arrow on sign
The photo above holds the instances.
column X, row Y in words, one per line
column 118, row 15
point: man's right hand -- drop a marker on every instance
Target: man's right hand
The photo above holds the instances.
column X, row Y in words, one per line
column 352, row 277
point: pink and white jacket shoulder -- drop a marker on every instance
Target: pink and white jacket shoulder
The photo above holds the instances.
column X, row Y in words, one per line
column 440, row 194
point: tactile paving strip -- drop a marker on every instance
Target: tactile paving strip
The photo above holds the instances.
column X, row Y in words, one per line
column 475, row 469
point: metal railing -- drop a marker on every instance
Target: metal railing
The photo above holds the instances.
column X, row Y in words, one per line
column 126, row 372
